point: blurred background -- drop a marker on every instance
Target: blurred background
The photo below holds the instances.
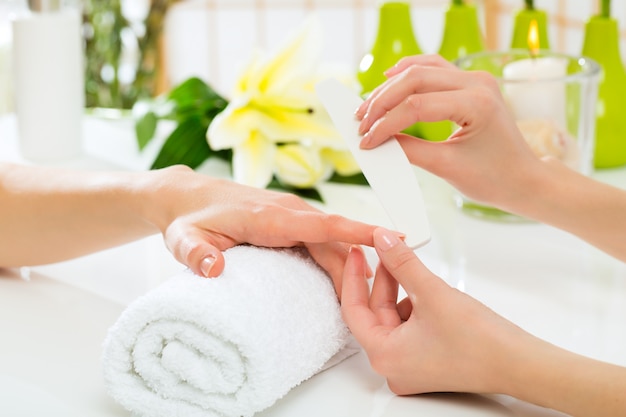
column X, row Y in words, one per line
column 214, row 39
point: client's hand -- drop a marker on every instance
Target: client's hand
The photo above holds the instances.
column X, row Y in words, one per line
column 208, row 215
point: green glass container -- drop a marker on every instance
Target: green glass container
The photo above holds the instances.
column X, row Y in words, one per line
column 461, row 36
column 521, row 27
column 394, row 40
column 601, row 43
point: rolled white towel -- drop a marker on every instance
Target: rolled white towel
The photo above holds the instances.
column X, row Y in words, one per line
column 230, row 346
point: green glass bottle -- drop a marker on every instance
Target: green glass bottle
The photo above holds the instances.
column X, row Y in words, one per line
column 461, row 36
column 394, row 40
column 601, row 43
column 521, row 26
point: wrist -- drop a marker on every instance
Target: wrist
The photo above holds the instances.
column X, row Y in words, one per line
column 167, row 194
column 537, row 189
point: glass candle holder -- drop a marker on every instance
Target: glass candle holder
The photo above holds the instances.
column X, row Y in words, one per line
column 552, row 97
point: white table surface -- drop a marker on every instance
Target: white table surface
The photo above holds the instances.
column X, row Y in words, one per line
column 52, row 325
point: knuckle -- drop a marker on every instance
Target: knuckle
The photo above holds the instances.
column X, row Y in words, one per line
column 486, row 82
column 180, row 168
column 486, row 93
column 380, row 105
column 262, row 211
column 332, row 220
column 413, row 102
column 414, row 74
column 288, row 200
column 400, row 260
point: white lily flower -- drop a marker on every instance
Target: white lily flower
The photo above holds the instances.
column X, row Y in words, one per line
column 301, row 166
column 253, row 161
column 342, row 161
column 275, row 104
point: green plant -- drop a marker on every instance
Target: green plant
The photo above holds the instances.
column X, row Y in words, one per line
column 111, row 82
column 192, row 106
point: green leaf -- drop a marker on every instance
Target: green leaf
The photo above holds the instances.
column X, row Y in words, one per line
column 145, row 127
column 186, row 145
column 356, row 179
column 194, row 97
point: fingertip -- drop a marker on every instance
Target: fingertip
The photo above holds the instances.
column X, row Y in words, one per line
column 391, row 72
column 356, row 260
column 211, row 265
column 354, row 270
column 360, row 112
column 366, row 141
column 385, row 239
column 206, row 265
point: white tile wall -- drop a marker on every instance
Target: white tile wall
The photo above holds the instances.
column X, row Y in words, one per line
column 215, row 39
column 566, row 21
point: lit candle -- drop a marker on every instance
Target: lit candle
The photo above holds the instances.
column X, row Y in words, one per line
column 536, row 96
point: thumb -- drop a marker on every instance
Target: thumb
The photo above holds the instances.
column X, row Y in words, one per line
column 423, row 153
column 401, row 262
column 191, row 248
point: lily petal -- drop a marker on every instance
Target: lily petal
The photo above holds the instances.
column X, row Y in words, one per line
column 342, row 161
column 298, row 58
column 253, row 161
column 300, row 166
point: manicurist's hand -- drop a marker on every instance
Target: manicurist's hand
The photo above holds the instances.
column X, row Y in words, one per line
column 487, row 159
column 440, row 339
column 437, row 339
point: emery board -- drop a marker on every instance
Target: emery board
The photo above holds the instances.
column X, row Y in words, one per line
column 386, row 167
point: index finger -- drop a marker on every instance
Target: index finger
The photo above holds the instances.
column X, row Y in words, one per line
column 414, row 80
column 288, row 226
column 425, row 60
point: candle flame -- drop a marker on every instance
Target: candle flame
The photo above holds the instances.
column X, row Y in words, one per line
column 533, row 37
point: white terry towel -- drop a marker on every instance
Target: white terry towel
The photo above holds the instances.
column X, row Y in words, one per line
column 228, row 346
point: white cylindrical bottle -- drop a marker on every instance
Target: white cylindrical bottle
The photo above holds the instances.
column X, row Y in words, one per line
column 48, row 81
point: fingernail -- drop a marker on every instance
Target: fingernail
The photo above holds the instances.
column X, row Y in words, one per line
column 368, row 269
column 387, row 239
column 363, row 125
column 365, row 141
column 206, row 265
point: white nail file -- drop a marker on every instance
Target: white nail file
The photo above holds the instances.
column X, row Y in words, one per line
column 386, row 167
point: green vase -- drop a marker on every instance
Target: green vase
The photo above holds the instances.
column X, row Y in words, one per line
column 523, row 19
column 394, row 40
column 461, row 36
column 601, row 43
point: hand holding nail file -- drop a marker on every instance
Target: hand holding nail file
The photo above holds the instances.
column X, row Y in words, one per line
column 386, row 167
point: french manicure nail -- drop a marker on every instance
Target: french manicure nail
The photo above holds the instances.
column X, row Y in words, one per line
column 387, row 240
column 365, row 141
column 206, row 265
